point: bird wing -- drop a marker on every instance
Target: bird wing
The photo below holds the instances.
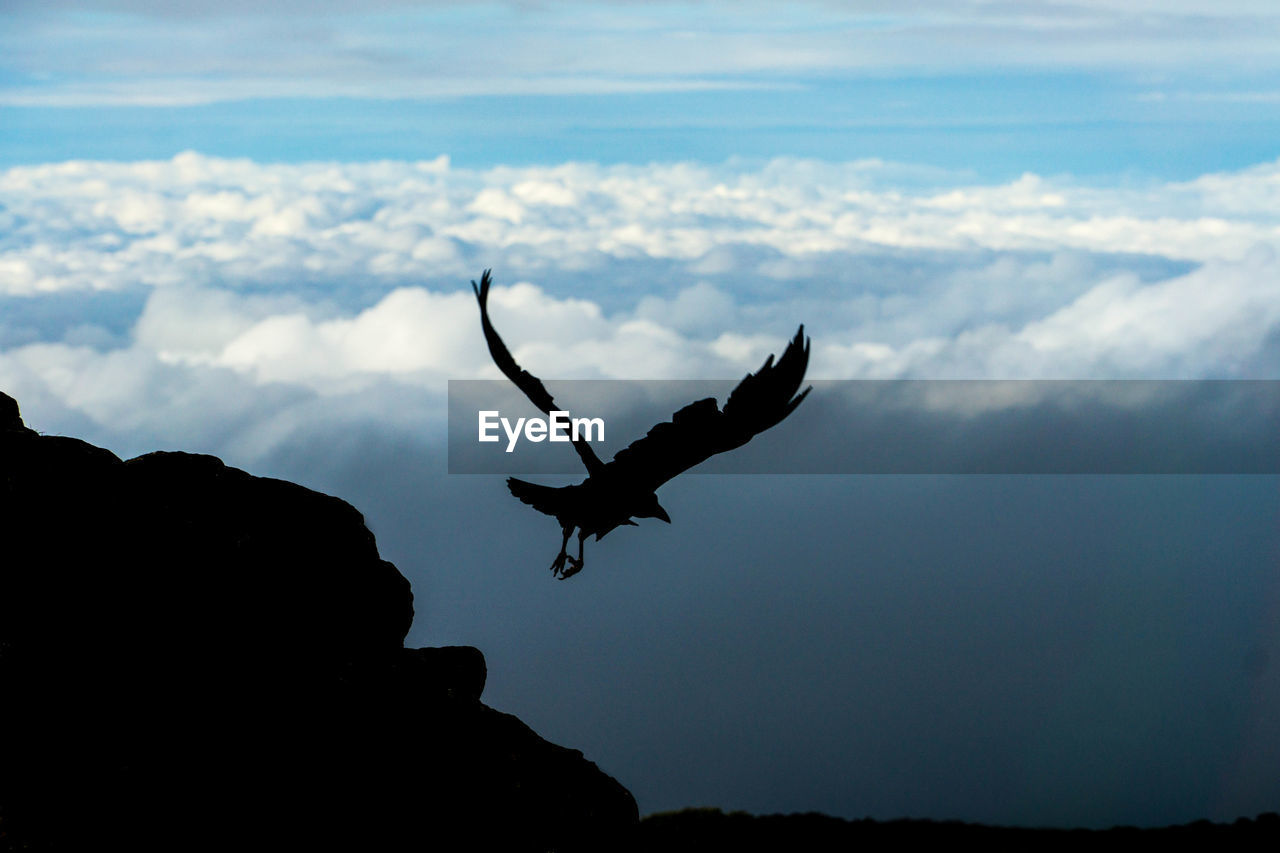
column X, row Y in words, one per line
column 701, row 430
column 524, row 380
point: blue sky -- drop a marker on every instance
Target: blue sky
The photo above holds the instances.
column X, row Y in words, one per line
column 247, row 229
column 1099, row 88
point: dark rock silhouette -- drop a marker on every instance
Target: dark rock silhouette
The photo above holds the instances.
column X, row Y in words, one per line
column 193, row 657
column 698, row 830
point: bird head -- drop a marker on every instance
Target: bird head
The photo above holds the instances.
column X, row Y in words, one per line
column 650, row 508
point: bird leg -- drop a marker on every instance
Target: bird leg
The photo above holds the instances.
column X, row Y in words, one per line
column 575, row 564
column 557, row 567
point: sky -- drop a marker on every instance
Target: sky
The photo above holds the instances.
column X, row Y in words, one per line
column 248, row 229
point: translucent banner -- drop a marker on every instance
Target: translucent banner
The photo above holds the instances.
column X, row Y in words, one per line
column 894, row 427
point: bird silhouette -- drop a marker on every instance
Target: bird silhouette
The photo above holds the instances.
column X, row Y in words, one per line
column 616, row 492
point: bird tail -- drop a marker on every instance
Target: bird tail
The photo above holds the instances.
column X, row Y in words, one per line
column 547, row 499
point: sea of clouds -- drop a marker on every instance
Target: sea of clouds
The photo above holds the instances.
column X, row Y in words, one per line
column 225, row 302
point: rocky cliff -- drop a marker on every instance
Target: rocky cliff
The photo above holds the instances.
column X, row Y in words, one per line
column 192, row 657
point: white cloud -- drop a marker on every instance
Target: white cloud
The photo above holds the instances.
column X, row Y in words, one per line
column 341, row 281
column 115, row 226
column 165, row 54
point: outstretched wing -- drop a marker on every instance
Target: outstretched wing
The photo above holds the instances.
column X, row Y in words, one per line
column 701, row 430
column 528, row 383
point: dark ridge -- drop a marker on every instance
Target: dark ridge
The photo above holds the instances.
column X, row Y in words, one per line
column 192, row 657
column 691, row 830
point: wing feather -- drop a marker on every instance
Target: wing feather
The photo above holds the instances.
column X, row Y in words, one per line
column 701, row 429
column 524, row 380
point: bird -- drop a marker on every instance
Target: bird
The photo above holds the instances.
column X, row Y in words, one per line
column 616, row 492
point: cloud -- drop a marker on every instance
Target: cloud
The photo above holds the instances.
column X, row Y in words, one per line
column 82, row 225
column 341, row 280
column 149, row 53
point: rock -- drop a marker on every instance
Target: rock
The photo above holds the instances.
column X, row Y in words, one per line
column 194, row 657
column 10, row 419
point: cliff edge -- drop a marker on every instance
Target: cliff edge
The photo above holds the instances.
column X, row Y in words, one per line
column 194, row 657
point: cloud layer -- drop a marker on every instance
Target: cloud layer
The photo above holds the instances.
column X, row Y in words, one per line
column 340, row 278
column 91, row 53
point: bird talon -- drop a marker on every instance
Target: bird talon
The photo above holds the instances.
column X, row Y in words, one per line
column 575, row 566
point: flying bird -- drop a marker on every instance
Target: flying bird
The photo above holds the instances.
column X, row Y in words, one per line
column 616, row 492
